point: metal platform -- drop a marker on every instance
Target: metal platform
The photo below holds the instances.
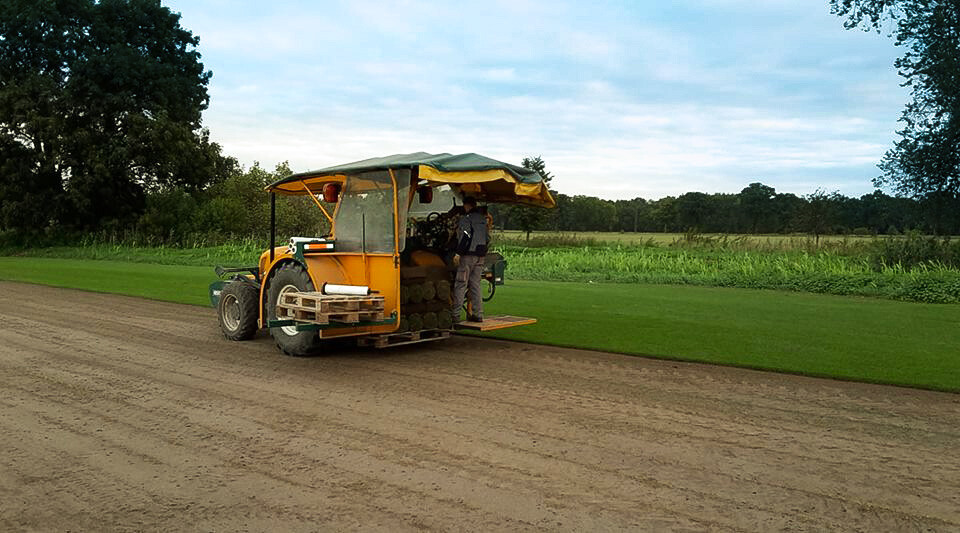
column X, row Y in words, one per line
column 491, row 323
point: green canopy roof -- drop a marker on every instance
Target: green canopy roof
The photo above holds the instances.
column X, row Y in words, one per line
column 441, row 162
column 485, row 179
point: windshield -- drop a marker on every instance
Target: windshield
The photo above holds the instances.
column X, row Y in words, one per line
column 443, row 199
column 364, row 220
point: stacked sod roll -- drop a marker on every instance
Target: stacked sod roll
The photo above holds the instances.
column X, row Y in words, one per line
column 425, row 304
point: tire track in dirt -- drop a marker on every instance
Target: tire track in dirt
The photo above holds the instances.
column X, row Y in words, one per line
column 378, row 437
column 467, row 433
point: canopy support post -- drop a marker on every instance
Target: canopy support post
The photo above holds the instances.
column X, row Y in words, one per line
column 273, row 223
column 314, row 198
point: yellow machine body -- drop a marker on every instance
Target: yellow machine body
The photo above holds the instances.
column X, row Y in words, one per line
column 382, row 195
column 380, row 272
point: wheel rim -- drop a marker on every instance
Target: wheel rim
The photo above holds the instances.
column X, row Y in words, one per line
column 289, row 330
column 231, row 312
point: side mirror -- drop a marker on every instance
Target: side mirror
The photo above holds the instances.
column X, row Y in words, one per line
column 425, row 194
column 331, row 193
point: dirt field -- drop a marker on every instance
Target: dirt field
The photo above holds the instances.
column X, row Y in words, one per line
column 119, row 413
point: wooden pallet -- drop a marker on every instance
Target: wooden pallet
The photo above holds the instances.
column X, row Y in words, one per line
column 332, row 303
column 399, row 339
column 319, row 308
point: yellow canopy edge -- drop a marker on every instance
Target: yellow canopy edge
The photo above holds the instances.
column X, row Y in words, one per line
column 314, row 183
column 495, row 185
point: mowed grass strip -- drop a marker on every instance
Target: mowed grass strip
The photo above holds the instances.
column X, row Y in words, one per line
column 852, row 338
column 169, row 283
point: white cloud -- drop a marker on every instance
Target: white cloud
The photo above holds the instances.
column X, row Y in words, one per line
column 499, row 74
column 621, row 100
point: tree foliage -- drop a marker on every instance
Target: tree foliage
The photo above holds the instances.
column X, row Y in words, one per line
column 234, row 207
column 525, row 217
column 926, row 159
column 100, row 104
column 238, row 207
column 757, row 201
column 819, row 213
column 693, row 210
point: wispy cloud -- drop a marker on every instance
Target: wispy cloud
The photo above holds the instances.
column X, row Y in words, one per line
column 621, row 99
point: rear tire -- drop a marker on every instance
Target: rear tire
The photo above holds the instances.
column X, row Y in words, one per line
column 291, row 277
column 237, row 311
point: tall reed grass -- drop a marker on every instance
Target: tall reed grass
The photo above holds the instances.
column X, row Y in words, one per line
column 821, row 272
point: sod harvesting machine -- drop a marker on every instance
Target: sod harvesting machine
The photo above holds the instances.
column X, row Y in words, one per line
column 384, row 274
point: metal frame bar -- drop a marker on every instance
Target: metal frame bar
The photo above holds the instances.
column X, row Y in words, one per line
column 273, row 223
column 314, row 198
column 396, row 213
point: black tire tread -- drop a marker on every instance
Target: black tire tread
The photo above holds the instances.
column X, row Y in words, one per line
column 248, row 296
column 304, row 343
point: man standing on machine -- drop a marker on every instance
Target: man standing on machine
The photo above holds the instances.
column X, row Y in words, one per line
column 472, row 240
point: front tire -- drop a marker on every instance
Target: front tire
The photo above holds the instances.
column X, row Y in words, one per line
column 290, row 277
column 237, row 311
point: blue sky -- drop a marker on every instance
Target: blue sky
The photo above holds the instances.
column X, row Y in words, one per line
column 621, row 99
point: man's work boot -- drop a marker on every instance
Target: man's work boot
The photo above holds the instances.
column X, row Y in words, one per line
column 475, row 319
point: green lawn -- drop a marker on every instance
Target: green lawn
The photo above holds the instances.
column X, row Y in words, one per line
column 852, row 338
column 171, row 283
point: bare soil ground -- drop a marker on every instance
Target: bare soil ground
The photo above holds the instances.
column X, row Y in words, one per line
column 126, row 414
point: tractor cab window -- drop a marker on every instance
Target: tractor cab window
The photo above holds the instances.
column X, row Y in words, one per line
column 444, row 198
column 364, row 220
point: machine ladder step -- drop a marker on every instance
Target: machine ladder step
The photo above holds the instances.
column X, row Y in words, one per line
column 491, row 323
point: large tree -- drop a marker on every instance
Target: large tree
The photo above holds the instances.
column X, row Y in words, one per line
column 757, row 202
column 530, row 218
column 819, row 214
column 926, row 159
column 693, row 211
column 100, row 101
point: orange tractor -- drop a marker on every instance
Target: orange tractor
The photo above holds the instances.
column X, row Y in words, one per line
column 385, row 272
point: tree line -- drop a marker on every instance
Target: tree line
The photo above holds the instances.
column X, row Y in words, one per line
column 238, row 206
column 758, row 208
